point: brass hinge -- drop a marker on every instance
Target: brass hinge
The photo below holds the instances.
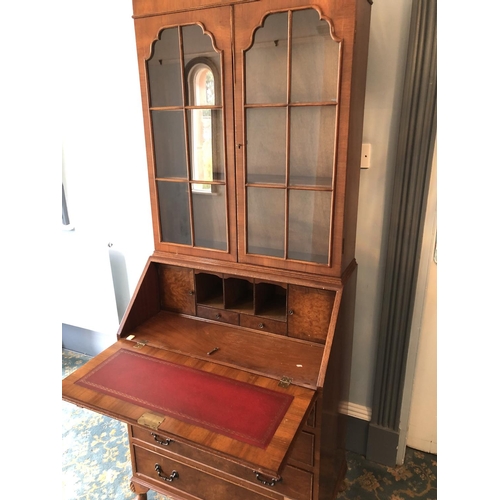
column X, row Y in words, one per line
column 151, row 420
column 285, row 381
column 139, row 343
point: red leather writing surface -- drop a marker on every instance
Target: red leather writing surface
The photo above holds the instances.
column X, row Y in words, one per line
column 235, row 409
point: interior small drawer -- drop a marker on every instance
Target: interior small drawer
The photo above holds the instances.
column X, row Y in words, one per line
column 218, row 314
column 263, row 324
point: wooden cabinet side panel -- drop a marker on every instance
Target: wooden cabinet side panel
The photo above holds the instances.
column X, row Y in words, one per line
column 145, row 302
column 336, row 393
column 358, row 88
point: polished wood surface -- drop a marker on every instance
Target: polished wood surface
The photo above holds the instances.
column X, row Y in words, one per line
column 216, row 24
column 177, row 289
column 253, row 317
column 270, row 460
column 342, row 17
column 309, row 312
column 231, row 26
column 261, row 353
column 194, row 477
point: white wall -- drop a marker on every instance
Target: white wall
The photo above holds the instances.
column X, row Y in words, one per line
column 104, row 161
column 105, row 166
column 422, row 424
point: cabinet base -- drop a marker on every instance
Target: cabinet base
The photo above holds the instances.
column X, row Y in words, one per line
column 140, row 491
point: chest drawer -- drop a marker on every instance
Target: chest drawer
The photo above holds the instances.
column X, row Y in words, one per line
column 176, row 477
column 296, row 484
column 171, row 474
column 303, row 449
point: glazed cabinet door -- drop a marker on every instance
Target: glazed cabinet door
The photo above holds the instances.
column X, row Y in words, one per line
column 286, row 105
column 185, row 65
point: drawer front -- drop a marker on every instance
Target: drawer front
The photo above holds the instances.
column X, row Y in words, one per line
column 296, row 484
column 176, row 477
column 303, row 449
column 175, row 448
column 218, row 315
column 263, row 324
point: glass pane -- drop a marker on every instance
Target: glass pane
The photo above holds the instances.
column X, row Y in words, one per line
column 209, row 217
column 174, row 212
column 198, row 49
column 312, row 140
column 315, row 58
column 207, row 157
column 309, row 225
column 164, row 70
column 169, row 143
column 266, row 221
column 266, row 145
column 266, row 62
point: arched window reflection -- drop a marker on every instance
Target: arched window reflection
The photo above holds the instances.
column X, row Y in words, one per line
column 201, row 85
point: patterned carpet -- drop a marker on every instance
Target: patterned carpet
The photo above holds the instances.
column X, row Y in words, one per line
column 96, row 461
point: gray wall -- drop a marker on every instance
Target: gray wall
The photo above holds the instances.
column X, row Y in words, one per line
column 386, row 64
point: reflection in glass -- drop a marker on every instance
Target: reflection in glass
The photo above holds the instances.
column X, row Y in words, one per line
column 266, row 221
column 169, row 144
column 314, row 59
column 312, row 139
column 309, row 225
column 290, row 127
column 266, row 145
column 164, row 70
column 266, row 62
column 209, row 218
column 188, row 174
column 174, row 212
column 202, row 72
column 205, row 128
column 197, row 47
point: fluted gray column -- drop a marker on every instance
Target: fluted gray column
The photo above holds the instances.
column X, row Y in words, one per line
column 411, row 185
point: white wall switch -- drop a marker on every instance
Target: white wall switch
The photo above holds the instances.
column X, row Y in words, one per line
column 366, row 155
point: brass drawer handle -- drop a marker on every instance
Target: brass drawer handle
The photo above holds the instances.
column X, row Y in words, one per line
column 218, row 316
column 268, row 482
column 164, row 442
column 170, row 478
column 261, row 325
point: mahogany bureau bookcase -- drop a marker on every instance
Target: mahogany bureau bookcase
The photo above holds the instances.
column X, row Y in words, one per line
column 234, row 353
